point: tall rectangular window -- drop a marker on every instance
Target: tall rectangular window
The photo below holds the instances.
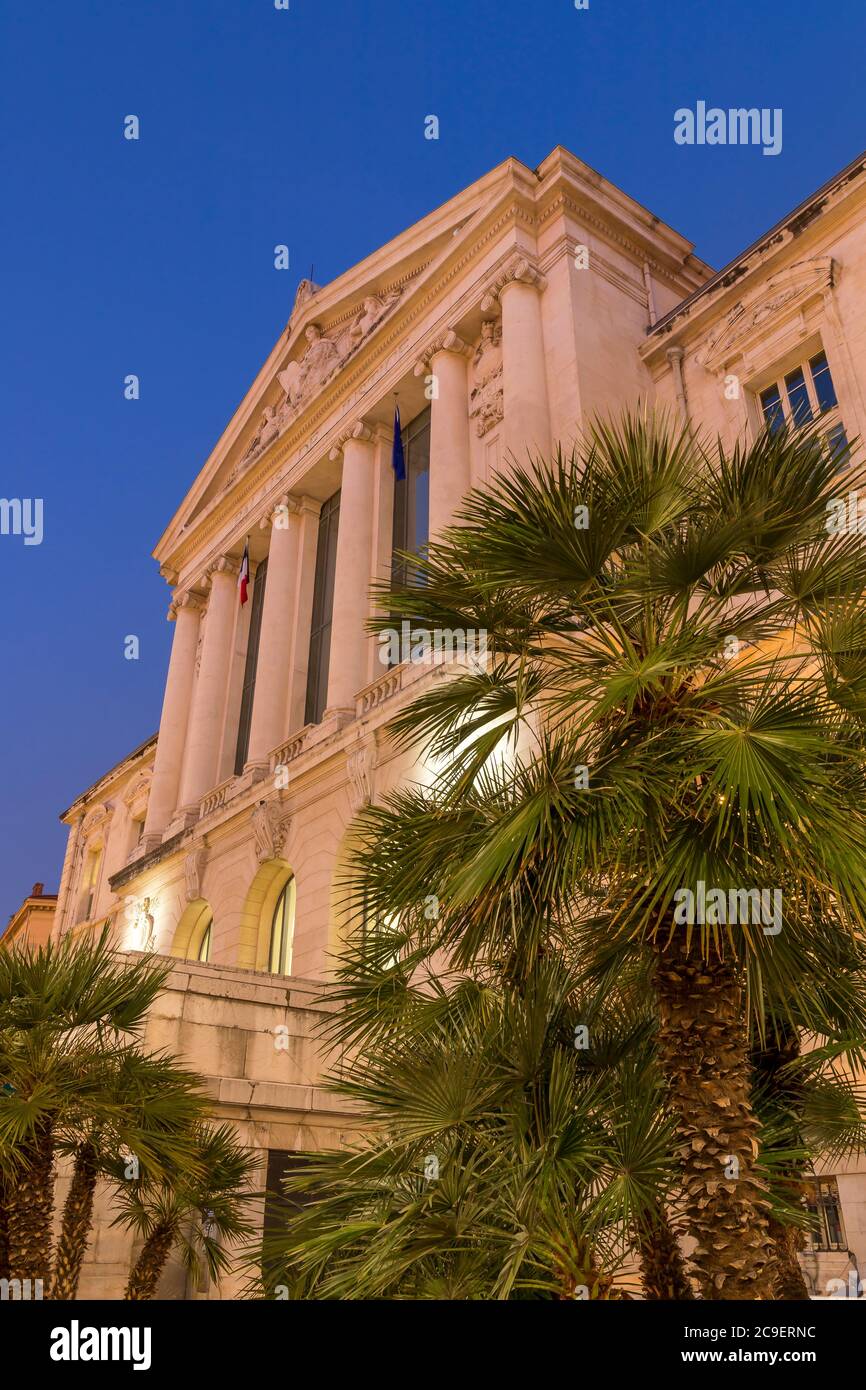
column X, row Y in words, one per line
column 822, row 1203
column 90, row 878
column 412, row 497
column 825, row 391
column 798, row 397
column 249, row 688
column 771, row 405
column 323, row 609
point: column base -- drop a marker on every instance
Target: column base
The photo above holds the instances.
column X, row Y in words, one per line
column 183, row 818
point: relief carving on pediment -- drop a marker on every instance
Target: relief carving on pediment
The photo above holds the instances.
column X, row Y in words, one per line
column 485, row 395
column 302, row 377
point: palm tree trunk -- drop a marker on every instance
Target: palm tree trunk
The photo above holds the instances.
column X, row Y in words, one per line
column 703, row 1053
column 4, row 1227
column 151, row 1262
column 780, row 1049
column 788, row 1241
column 31, row 1210
column 663, row 1269
column 77, row 1223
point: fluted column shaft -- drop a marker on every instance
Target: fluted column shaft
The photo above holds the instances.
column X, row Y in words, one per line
column 209, row 699
column 273, row 669
column 346, row 671
column 450, row 469
column 524, row 377
column 162, row 803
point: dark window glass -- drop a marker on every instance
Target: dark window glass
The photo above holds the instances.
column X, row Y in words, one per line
column 252, row 661
column 412, row 496
column 837, row 441
column 798, row 397
column 280, row 1208
column 823, row 381
column 323, row 608
column 771, row 404
column 822, row 1202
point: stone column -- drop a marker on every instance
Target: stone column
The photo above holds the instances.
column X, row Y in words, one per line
column 185, row 611
column 209, row 699
column 524, row 377
column 275, row 641
column 450, row 469
column 346, row 669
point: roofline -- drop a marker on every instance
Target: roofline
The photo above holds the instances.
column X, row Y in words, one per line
column 106, row 776
column 842, row 176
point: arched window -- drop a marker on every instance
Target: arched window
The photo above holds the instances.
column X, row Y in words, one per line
column 203, row 953
column 282, row 932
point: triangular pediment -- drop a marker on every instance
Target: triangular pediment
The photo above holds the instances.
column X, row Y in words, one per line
column 330, row 327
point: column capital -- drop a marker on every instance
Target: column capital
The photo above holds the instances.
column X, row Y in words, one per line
column 520, row 271
column 184, row 598
column 359, row 430
column 223, row 564
column 449, row 341
column 285, row 506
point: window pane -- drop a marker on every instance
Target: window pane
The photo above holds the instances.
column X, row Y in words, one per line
column 771, row 404
column 837, row 442
column 252, row 661
column 323, row 608
column 798, row 397
column 282, row 932
column 204, row 945
column 823, row 381
column 412, row 495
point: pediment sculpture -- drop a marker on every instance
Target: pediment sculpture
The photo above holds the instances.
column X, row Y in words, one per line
column 268, row 429
column 485, row 396
column 323, row 356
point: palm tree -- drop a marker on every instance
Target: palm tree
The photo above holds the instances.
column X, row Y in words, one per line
column 198, row 1207
column 515, row 1145
column 678, row 686
column 61, row 1007
column 142, row 1115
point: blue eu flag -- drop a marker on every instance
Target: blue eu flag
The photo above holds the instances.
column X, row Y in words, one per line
column 398, row 463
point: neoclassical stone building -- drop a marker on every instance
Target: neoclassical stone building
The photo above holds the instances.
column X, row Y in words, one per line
column 502, row 321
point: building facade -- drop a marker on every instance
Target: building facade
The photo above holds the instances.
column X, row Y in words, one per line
column 503, row 321
column 32, row 923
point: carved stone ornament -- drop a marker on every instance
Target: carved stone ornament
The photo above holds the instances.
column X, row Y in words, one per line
column 485, row 396
column 193, row 866
column 323, row 355
column 520, row 269
column 97, row 818
column 270, row 830
column 780, row 296
column 142, row 930
column 360, row 767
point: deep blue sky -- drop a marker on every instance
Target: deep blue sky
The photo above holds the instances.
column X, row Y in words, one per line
column 261, row 126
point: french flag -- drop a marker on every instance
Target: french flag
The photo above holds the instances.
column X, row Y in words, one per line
column 244, row 576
